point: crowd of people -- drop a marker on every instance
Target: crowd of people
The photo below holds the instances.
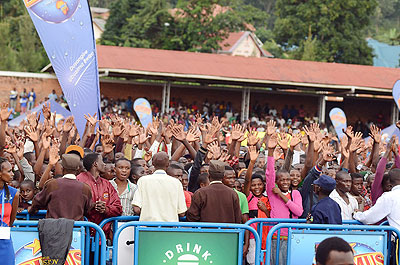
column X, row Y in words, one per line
column 208, row 169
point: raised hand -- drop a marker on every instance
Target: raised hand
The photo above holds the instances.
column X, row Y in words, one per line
column 237, row 131
column 46, row 143
column 224, row 157
column 68, row 124
column 108, row 144
column 142, row 135
column 328, row 153
column 46, row 111
column 11, row 148
column 271, row 127
column 193, row 135
column 54, row 155
column 375, row 134
column 253, row 153
column 296, row 138
column 215, row 150
column 178, row 133
column 349, row 132
column 283, row 141
column 4, row 112
column 33, row 119
column 31, row 133
column 134, row 130
column 91, row 119
column 104, row 126
column 252, row 138
column 310, row 134
column 118, row 129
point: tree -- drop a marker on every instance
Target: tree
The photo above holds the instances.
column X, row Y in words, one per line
column 336, row 28
column 120, row 11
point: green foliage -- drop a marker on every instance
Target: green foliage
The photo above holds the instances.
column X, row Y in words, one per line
column 20, row 46
column 195, row 25
column 335, row 27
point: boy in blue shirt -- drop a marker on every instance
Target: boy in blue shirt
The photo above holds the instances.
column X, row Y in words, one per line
column 326, row 211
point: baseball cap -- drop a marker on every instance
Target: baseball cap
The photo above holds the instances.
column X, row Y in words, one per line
column 326, row 183
column 70, row 161
column 76, row 149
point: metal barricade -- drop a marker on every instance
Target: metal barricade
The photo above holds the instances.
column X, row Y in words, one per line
column 217, row 230
column 312, row 234
column 24, row 215
column 270, row 222
column 97, row 247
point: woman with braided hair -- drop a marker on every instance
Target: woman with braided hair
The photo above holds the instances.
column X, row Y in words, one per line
column 9, row 198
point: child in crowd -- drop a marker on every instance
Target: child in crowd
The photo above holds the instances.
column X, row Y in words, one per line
column 123, row 186
column 27, row 192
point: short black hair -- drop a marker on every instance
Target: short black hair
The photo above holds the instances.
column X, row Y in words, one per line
column 123, row 159
column 329, row 244
column 356, row 176
column 135, row 161
column 203, row 178
column 257, row 176
column 29, row 183
column 229, row 168
column 175, row 166
column 89, row 160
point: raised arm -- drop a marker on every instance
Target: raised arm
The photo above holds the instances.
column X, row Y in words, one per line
column 253, row 153
column 310, row 152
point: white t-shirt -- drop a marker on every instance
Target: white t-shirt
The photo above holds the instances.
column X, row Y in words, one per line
column 347, row 210
column 160, row 198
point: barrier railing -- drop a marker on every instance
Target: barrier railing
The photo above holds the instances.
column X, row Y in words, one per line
column 261, row 223
column 98, row 248
column 160, row 235
column 26, row 216
column 302, row 240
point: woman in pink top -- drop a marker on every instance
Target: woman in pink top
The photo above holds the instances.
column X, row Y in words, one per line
column 284, row 202
column 382, row 184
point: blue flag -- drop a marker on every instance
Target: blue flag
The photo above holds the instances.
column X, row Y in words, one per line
column 339, row 121
column 66, row 31
column 143, row 110
column 396, row 93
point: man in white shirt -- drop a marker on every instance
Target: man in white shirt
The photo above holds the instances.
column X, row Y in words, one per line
column 388, row 205
column 159, row 197
column 348, row 204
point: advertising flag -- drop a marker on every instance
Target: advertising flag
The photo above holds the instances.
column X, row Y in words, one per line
column 396, row 93
column 143, row 110
column 339, row 121
column 66, row 31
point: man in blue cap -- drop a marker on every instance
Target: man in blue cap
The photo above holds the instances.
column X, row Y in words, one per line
column 326, row 211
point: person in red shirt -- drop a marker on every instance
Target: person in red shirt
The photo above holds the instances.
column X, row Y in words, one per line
column 104, row 196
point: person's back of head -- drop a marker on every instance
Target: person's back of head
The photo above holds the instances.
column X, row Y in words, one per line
column 203, row 180
column 394, row 176
column 334, row 250
column 161, row 161
column 89, row 160
column 216, row 170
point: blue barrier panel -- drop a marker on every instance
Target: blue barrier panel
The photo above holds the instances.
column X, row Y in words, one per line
column 261, row 223
column 178, row 243
column 26, row 216
column 370, row 243
column 84, row 234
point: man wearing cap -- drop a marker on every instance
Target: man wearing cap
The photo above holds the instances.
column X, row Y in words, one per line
column 64, row 197
column 326, row 211
column 215, row 203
